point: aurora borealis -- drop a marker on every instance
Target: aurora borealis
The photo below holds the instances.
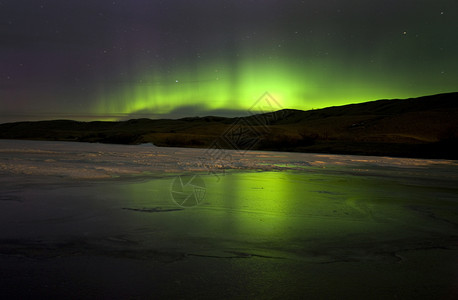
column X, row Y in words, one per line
column 125, row 59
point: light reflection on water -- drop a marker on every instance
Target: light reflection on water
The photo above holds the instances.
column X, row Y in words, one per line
column 261, row 230
column 292, row 207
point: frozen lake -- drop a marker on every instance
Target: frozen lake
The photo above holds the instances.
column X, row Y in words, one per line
column 114, row 221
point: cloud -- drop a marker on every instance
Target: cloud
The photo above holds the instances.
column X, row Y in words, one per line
column 185, row 111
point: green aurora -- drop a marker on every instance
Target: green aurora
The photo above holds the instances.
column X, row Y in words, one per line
column 168, row 59
column 296, row 84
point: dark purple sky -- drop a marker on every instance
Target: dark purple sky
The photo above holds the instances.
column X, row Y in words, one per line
column 92, row 59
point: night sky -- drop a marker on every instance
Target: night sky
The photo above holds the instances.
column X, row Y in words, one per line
column 109, row 60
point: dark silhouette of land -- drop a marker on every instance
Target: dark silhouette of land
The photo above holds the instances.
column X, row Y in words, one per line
column 424, row 127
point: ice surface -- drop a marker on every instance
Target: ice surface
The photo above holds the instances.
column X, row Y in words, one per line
column 102, row 221
column 84, row 160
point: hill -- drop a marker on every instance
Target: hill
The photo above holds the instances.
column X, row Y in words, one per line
column 418, row 127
